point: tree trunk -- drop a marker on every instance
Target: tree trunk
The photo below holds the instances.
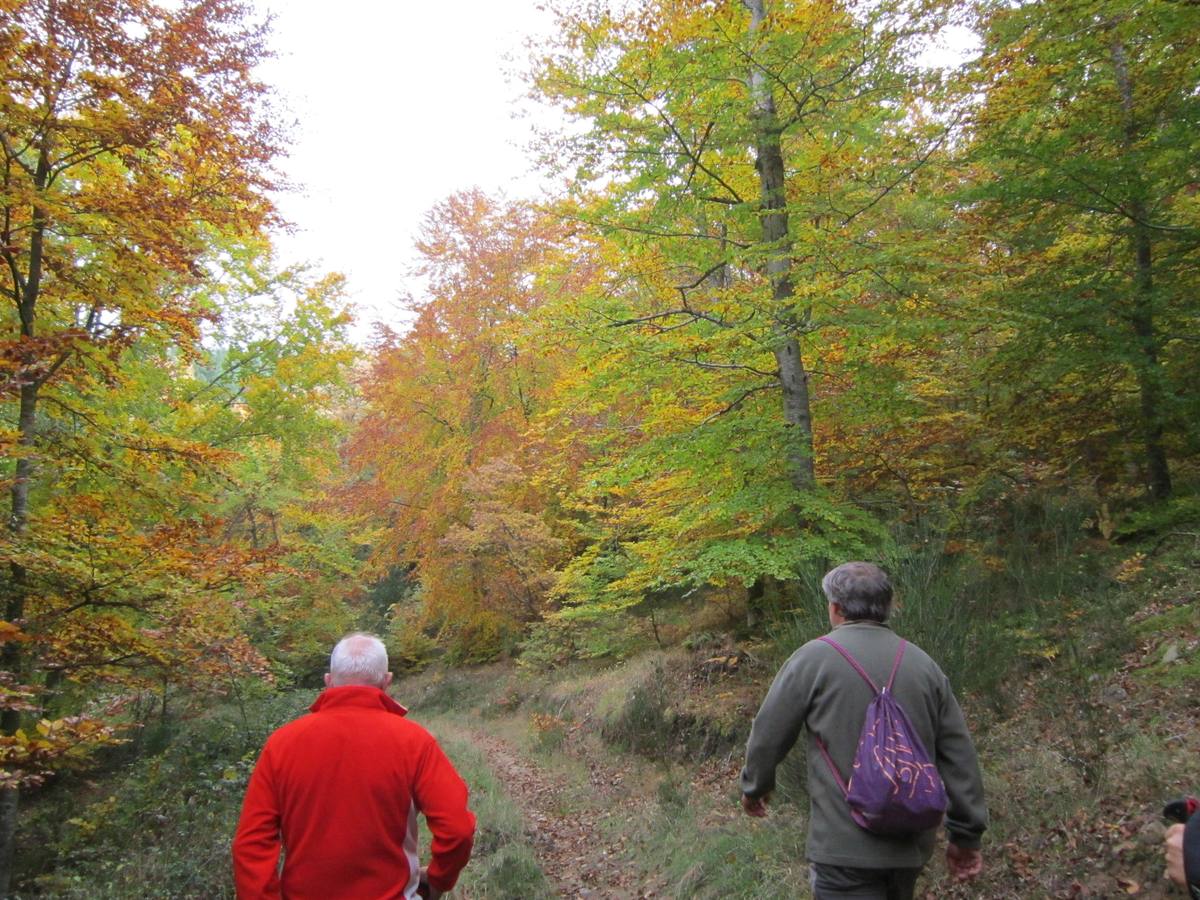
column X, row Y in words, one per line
column 776, row 238
column 8, row 833
column 1141, row 319
column 11, row 658
column 1149, row 373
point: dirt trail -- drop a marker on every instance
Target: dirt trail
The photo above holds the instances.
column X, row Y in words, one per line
column 578, row 856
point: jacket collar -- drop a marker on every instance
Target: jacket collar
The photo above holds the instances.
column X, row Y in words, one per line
column 356, row 696
column 866, row 623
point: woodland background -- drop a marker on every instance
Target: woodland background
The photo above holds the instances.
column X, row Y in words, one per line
column 802, row 296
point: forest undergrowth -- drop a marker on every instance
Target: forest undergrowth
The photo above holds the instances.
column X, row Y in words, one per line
column 601, row 779
column 793, row 293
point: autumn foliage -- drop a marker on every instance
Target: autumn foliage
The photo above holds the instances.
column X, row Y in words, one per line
column 800, row 283
column 137, row 153
column 798, row 288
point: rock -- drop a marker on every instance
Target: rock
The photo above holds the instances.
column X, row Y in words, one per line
column 1171, row 653
column 1114, row 695
column 1151, row 833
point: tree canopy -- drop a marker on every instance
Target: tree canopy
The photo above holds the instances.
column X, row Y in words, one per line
column 798, row 292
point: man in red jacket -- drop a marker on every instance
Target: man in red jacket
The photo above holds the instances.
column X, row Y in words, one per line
column 342, row 788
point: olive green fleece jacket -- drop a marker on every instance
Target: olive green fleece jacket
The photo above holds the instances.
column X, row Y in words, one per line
column 819, row 691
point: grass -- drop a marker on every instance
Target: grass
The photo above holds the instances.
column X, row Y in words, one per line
column 502, row 866
column 157, row 825
column 1076, row 663
column 741, row 859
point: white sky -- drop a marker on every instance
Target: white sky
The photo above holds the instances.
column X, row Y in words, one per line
column 400, row 103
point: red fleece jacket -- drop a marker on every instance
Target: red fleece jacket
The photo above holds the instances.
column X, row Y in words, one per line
column 342, row 787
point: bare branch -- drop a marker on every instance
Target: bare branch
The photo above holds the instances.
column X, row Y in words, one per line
column 903, row 177
column 734, row 366
column 736, row 404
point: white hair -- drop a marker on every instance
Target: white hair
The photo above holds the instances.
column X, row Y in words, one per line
column 359, row 658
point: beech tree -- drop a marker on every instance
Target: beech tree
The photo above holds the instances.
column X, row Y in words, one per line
column 441, row 446
column 1085, row 149
column 744, row 160
column 131, row 132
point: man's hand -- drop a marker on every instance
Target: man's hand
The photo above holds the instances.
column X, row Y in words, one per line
column 755, row 806
column 962, row 863
column 424, row 888
column 1174, row 852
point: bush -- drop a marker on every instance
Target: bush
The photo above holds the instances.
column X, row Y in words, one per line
column 485, row 637
column 556, row 642
column 157, row 825
column 636, row 715
column 549, row 732
column 410, row 648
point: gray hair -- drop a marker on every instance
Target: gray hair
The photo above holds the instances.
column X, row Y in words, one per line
column 359, row 658
column 860, row 590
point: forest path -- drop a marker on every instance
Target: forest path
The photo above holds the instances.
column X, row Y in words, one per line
column 574, row 819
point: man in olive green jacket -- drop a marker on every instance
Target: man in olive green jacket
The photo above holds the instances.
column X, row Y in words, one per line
column 818, row 690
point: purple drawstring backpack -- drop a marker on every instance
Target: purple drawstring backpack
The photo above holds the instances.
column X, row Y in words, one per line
column 895, row 787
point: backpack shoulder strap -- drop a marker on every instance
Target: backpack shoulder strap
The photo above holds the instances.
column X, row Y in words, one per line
column 854, row 662
column 833, row 769
column 896, row 664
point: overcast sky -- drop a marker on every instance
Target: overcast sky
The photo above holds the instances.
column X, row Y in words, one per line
column 398, row 105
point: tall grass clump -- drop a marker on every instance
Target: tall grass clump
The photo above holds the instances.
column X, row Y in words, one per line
column 981, row 604
column 701, row 854
column 977, row 599
column 1034, row 547
column 936, row 610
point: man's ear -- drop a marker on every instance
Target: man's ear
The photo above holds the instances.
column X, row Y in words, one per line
column 328, row 680
column 386, row 681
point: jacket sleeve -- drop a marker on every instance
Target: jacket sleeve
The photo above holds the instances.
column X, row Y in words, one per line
column 441, row 795
column 775, row 728
column 1191, row 855
column 256, row 843
column 966, row 817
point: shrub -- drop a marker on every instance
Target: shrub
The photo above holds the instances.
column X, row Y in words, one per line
column 549, row 732
column 636, row 715
column 157, row 825
column 410, row 648
column 483, row 638
column 556, row 642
